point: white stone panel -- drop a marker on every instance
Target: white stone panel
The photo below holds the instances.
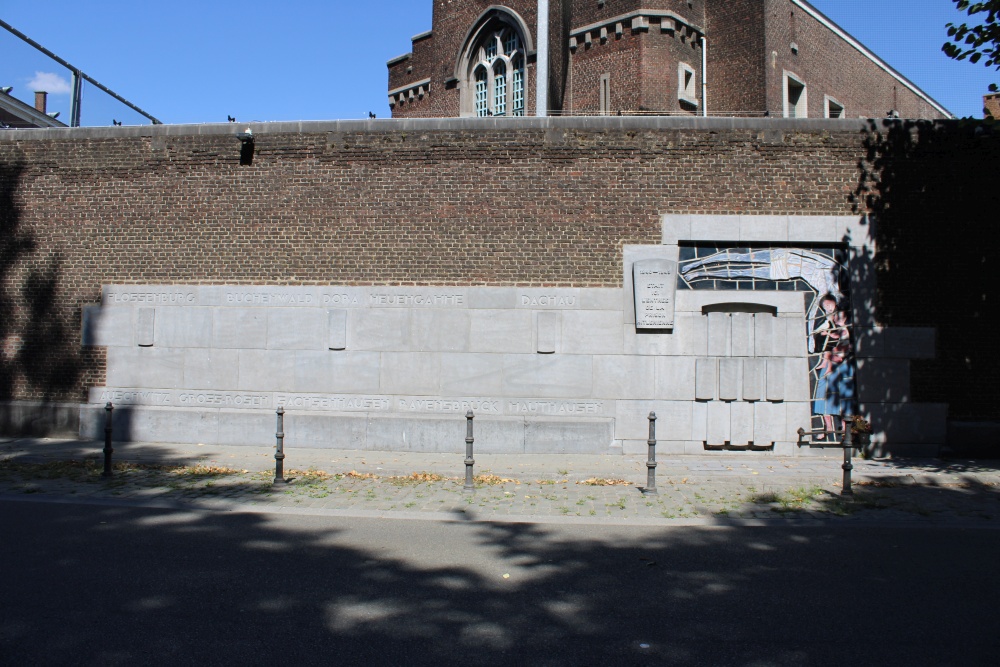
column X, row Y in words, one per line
column 812, row 229
column 706, row 379
column 741, row 423
column 548, row 298
column 379, row 329
column 312, row 430
column 797, row 415
column 675, row 228
column 336, row 322
column 239, row 328
column 771, row 228
column 676, row 378
column 797, row 380
column 145, row 326
column 730, row 379
column 297, row 329
column 580, row 436
column 743, row 334
column 883, row 380
column 545, row 376
column 630, row 255
column 699, row 421
column 244, row 428
column 145, row 367
column 775, row 379
column 417, row 434
column 719, row 423
column 624, row 377
column 439, row 330
column 266, row 370
column 769, row 423
column 673, row 420
column 688, row 338
column 184, row 327
column 500, row 331
column 795, row 338
column 763, row 334
column 492, row 298
column 720, row 334
column 417, row 373
column 548, row 332
column 592, row 332
column 601, row 298
column 753, row 379
column 471, row 374
column 331, row 372
column 715, row 227
column 107, row 326
column 211, row 369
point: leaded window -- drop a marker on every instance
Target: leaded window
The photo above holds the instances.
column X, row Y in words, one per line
column 498, row 74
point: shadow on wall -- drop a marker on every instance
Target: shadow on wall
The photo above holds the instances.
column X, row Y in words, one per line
column 933, row 189
column 41, row 360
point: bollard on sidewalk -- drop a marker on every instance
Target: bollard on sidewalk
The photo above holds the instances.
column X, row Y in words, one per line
column 470, row 486
column 848, row 444
column 279, row 449
column 651, row 462
column 108, row 431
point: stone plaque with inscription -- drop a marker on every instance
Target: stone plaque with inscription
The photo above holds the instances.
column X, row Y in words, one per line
column 655, row 286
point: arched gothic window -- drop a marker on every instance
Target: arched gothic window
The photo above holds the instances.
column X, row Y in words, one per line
column 497, row 77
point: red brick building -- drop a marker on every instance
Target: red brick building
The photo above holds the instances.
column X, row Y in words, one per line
column 777, row 58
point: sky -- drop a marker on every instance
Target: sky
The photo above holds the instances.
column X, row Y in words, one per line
column 200, row 62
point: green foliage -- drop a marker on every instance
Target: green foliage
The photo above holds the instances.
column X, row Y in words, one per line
column 979, row 41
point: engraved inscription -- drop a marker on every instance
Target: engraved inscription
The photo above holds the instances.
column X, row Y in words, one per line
column 162, row 297
column 580, row 408
column 548, row 300
column 655, row 286
column 135, row 397
column 446, row 405
column 224, row 399
column 388, row 299
column 334, row 403
column 268, row 298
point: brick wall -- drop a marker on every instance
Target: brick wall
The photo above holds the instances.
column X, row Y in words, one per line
column 830, row 66
column 736, row 77
column 491, row 202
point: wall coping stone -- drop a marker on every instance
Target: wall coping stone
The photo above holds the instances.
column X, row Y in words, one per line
column 494, row 124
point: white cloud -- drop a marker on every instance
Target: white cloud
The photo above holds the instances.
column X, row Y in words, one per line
column 50, row 82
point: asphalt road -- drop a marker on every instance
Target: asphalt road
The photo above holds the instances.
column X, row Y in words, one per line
column 92, row 585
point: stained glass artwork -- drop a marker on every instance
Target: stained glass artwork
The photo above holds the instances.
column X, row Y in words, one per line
column 821, row 274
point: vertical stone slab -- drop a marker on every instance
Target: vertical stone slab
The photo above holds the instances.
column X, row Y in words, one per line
column 768, row 423
column 743, row 335
column 654, row 284
column 706, row 379
column 720, row 333
column 753, row 379
column 741, row 423
column 337, row 329
column 144, row 326
column 719, row 423
column 763, row 334
column 776, row 379
column 699, row 421
column 547, row 332
column 730, row 371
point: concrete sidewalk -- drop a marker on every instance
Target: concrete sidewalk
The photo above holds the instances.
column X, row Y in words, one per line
column 509, row 488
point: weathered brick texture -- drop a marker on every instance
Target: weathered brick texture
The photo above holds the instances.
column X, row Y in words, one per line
column 524, row 203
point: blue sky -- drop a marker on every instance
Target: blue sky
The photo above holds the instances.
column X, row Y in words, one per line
column 195, row 62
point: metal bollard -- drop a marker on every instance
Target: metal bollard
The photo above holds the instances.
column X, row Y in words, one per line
column 848, row 444
column 651, row 463
column 279, row 453
column 470, row 486
column 108, row 450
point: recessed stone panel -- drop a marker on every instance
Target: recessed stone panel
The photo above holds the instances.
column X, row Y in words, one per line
column 741, row 425
column 730, row 379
